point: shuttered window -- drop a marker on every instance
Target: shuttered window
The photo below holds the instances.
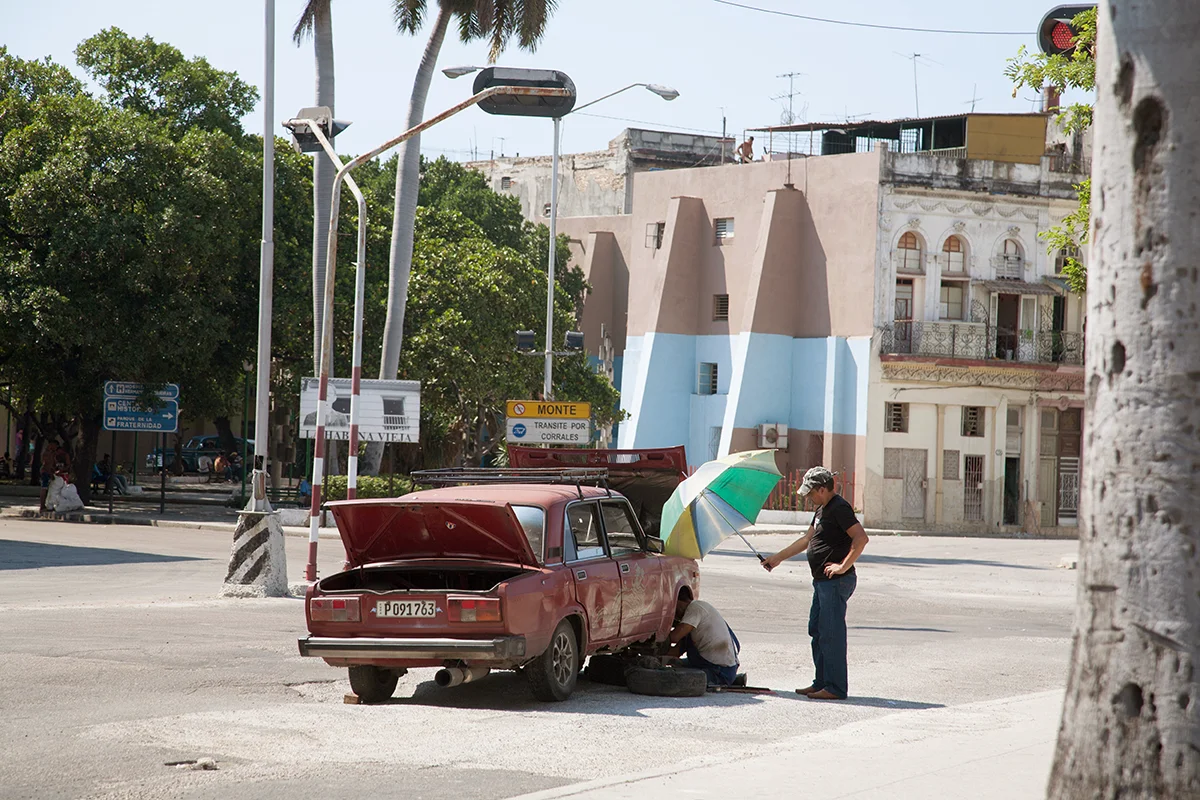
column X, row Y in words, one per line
column 896, row 417
column 720, row 306
column 724, row 228
column 506, row 182
column 708, row 378
column 972, row 421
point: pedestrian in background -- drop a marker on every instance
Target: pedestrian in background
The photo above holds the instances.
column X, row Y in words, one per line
column 834, row 541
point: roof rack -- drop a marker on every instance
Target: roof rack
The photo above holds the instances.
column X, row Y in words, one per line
column 457, row 476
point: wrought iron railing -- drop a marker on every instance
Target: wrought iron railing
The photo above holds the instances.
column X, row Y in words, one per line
column 980, row 341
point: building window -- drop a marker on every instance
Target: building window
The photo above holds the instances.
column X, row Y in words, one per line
column 506, row 182
column 724, row 228
column 950, row 465
column 720, row 307
column 909, row 251
column 955, row 255
column 950, row 302
column 654, row 234
column 1068, row 253
column 546, row 210
column 708, row 378
column 972, row 420
column 1012, row 260
column 904, row 299
column 896, row 417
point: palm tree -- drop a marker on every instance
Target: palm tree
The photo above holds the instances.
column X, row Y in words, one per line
column 316, row 21
column 495, row 20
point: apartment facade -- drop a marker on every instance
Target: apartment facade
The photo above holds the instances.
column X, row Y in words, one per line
column 890, row 313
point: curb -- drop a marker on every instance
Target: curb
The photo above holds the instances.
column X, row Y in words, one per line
column 117, row 519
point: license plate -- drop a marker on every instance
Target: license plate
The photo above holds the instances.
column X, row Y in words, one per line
column 405, row 608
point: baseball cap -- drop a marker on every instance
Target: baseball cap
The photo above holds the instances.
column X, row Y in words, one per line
column 815, row 478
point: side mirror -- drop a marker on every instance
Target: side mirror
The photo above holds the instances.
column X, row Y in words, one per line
column 655, row 544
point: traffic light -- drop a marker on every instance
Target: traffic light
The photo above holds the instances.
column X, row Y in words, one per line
column 525, row 105
column 526, row 341
column 574, row 340
column 304, row 140
column 1056, row 35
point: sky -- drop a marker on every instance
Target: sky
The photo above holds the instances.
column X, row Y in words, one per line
column 725, row 61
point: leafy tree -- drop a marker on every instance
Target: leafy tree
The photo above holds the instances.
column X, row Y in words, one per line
column 1063, row 72
column 127, row 233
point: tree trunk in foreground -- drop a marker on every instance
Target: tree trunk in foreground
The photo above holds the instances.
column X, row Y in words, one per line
column 1131, row 721
column 408, row 184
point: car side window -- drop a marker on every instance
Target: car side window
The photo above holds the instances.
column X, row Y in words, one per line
column 584, row 524
column 621, row 528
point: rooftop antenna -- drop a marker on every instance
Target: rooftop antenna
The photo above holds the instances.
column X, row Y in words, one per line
column 973, row 99
column 722, row 134
column 914, row 58
column 789, row 117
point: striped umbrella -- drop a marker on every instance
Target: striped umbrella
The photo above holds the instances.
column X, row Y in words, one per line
column 721, row 500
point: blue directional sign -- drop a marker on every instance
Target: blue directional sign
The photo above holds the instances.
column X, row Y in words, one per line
column 124, row 414
column 518, row 431
column 169, row 391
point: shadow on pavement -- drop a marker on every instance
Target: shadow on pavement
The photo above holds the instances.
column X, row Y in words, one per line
column 37, row 555
column 901, row 561
column 868, row 702
column 898, row 628
column 510, row 692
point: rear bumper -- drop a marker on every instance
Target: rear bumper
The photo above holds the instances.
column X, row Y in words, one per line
column 504, row 648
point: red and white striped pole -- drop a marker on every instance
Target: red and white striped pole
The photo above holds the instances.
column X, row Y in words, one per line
column 343, row 174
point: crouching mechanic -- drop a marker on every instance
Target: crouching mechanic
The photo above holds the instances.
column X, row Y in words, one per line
column 705, row 640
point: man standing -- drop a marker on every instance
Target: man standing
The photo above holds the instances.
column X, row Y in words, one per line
column 706, row 640
column 745, row 151
column 834, row 542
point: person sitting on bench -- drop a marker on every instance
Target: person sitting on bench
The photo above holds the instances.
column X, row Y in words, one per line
column 706, row 641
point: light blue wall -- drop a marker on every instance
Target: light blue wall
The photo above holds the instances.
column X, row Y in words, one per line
column 810, row 384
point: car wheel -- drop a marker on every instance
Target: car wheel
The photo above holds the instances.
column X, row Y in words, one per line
column 374, row 684
column 606, row 669
column 667, row 682
column 553, row 674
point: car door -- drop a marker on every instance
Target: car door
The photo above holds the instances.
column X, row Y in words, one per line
column 596, row 576
column 640, row 570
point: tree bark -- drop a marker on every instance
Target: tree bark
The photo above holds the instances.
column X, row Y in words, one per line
column 85, row 455
column 323, row 174
column 1131, row 721
column 225, row 435
column 408, row 177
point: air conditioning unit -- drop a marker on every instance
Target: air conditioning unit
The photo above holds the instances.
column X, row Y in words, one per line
column 773, row 436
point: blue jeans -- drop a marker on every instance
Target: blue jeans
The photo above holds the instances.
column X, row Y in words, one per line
column 827, row 627
column 717, row 674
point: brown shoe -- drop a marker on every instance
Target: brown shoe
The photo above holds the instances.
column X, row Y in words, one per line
column 824, row 694
column 808, row 690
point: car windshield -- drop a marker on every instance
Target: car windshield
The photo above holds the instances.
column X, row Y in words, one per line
column 533, row 522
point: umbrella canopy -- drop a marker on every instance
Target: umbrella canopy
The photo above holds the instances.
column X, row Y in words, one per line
column 722, row 499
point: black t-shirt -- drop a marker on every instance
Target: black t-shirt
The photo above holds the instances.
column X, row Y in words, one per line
column 831, row 542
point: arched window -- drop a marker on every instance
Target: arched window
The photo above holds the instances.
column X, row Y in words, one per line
column 1012, row 260
column 1068, row 252
column 909, row 248
column 955, row 255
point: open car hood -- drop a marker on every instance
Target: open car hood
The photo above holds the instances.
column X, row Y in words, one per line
column 646, row 477
column 392, row 530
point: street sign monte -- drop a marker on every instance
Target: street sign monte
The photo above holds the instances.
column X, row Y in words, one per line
column 542, row 422
column 124, row 412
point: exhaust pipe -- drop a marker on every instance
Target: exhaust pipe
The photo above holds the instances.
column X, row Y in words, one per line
column 453, row 676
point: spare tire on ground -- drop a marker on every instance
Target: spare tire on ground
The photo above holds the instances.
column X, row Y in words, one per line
column 667, row 681
column 606, row 669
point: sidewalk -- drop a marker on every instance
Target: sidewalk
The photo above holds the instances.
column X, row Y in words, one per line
column 206, row 517
column 1000, row 749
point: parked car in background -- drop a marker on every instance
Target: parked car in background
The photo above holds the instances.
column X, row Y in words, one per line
column 517, row 572
column 192, row 450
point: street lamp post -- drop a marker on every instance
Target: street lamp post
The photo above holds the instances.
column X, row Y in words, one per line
column 310, row 572
column 248, row 367
column 666, row 93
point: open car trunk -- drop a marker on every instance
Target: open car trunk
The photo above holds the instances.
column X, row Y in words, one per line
column 433, row 577
column 646, row 477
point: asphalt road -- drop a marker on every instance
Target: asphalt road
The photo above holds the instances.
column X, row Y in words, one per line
column 117, row 657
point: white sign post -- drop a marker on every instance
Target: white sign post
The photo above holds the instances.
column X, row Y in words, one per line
column 390, row 410
column 534, row 430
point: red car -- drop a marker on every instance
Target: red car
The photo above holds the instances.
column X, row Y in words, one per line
column 501, row 575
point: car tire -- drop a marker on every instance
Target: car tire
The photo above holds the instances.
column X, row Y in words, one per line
column 667, row 682
column 374, row 684
column 606, row 669
column 553, row 674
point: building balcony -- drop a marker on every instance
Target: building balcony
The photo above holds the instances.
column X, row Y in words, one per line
column 979, row 341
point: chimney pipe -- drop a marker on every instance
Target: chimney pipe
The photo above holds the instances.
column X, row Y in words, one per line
column 1050, row 100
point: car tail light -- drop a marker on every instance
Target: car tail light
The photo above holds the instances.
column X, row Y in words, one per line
column 463, row 609
column 334, row 609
